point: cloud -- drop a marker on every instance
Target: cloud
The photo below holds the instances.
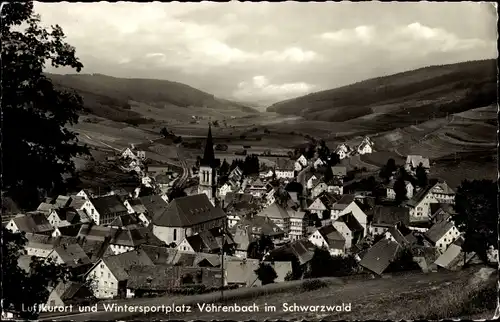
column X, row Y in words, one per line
column 363, row 34
column 261, row 87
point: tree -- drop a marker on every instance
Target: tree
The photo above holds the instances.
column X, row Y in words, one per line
column 224, row 168
column 164, row 132
column 176, row 193
column 421, row 175
column 477, row 215
column 258, row 248
column 388, row 169
column 325, row 265
column 403, row 262
column 400, row 190
column 328, row 175
column 21, row 288
column 295, row 186
column 266, row 273
column 35, row 113
column 146, row 191
column 334, row 159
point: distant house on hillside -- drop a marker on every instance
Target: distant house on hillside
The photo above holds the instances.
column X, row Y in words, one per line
column 366, row 146
column 127, row 154
column 343, row 151
column 285, row 169
column 413, row 161
column 300, row 163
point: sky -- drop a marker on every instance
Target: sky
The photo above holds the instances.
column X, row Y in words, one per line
column 262, row 53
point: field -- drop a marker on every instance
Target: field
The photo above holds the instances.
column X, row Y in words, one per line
column 395, row 297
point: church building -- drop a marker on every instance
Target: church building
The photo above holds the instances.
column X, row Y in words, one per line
column 208, row 170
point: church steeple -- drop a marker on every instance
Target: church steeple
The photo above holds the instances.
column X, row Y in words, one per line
column 209, row 155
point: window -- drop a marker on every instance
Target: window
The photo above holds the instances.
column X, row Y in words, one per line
column 92, row 211
column 102, row 265
column 175, row 234
column 109, row 275
column 52, row 302
column 102, row 273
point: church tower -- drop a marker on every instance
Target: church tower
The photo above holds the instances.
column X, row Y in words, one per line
column 208, row 170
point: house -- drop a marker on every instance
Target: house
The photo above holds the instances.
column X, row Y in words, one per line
column 127, row 221
column 339, row 172
column 85, row 194
column 62, row 202
column 300, row 163
column 29, row 223
column 396, row 236
column 45, row 208
column 355, row 231
column 141, row 155
column 125, row 240
column 225, row 189
column 454, row 258
column 298, row 225
column 268, row 197
column 441, row 211
column 285, row 169
column 347, row 204
column 127, row 154
column 154, row 204
column 385, row 217
column 322, row 203
column 163, row 182
column 329, row 238
column 319, row 188
column 68, row 293
column 266, row 174
column 71, row 255
column 38, row 245
column 147, row 181
column 366, row 146
column 310, row 180
column 80, row 203
column 110, row 274
column 210, row 242
column 242, row 273
column 419, row 205
column 335, row 186
column 257, row 188
column 318, row 163
column 413, row 161
column 67, row 216
column 187, row 216
column 278, row 215
column 391, row 194
column 443, row 193
column 302, row 250
column 254, row 228
column 378, row 258
column 108, row 208
column 343, row 151
column 442, row 234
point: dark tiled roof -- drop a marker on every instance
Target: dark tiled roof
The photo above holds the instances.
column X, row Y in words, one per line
column 339, row 171
column 154, row 278
column 400, row 239
column 119, row 265
column 389, row 215
column 379, row 256
column 344, row 201
column 260, row 226
column 158, row 254
column 67, row 290
column 95, row 232
column 188, row 211
column 127, row 237
column 438, row 230
column 418, row 197
column 109, row 205
column 332, row 237
column 126, row 220
column 62, row 201
column 154, row 204
column 274, row 211
column 351, row 222
column 442, row 187
column 72, row 255
column 33, row 223
column 284, row 164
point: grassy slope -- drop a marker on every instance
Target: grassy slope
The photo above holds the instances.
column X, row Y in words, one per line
column 109, row 97
column 401, row 99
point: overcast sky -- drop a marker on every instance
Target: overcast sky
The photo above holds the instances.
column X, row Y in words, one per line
column 267, row 52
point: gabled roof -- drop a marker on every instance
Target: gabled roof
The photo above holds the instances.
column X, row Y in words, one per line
column 154, row 204
column 33, row 223
column 257, row 184
column 339, row 171
column 94, row 232
column 443, row 188
column 127, row 237
column 274, row 211
column 68, row 214
column 242, row 272
column 328, row 199
column 445, row 207
column 109, row 205
column 137, row 206
column 61, row 201
column 418, row 197
column 351, row 222
column 119, row 265
column 154, row 278
column 332, row 237
column 71, row 230
column 400, row 239
column 188, row 211
column 127, row 220
column 438, row 230
column 77, row 202
column 284, row 164
column 415, row 160
column 159, row 254
column 343, row 202
column 390, row 216
column 72, row 255
column 259, row 225
column 379, row 256
column 45, row 207
column 67, row 290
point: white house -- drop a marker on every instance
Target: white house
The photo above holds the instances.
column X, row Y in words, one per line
column 442, row 234
column 266, row 174
column 347, row 204
column 342, row 151
column 366, row 146
column 285, row 169
column 109, row 274
column 318, row 163
column 344, row 230
column 391, row 194
column 128, row 154
column 87, row 206
column 224, row 189
column 443, row 193
column 298, row 226
column 85, row 194
column 329, row 238
column 141, row 155
column 30, row 223
column 310, row 180
column 318, row 189
column 419, row 205
column 147, row 181
column 335, row 186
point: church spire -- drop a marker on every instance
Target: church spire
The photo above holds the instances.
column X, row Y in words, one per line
column 209, row 155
